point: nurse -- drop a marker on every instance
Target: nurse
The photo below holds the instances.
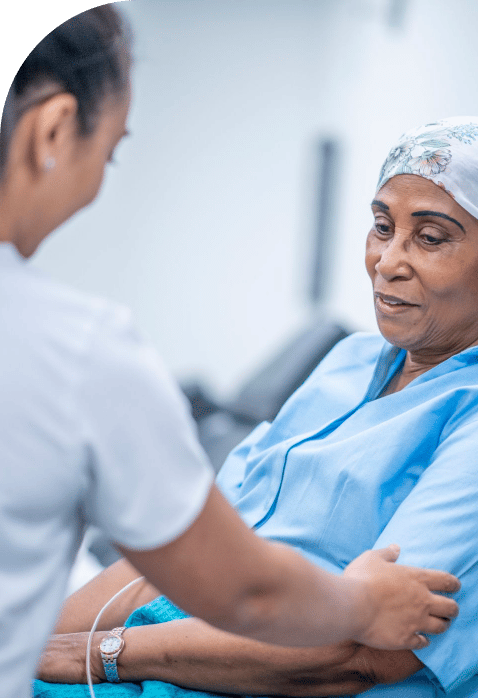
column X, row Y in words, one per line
column 92, row 430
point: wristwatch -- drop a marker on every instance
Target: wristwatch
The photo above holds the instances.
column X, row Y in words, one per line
column 111, row 647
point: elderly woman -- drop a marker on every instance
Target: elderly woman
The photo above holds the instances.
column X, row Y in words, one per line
column 380, row 444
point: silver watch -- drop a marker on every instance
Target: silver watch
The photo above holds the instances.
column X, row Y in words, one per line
column 111, row 647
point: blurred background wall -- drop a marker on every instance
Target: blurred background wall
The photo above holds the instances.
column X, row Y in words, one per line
column 206, row 225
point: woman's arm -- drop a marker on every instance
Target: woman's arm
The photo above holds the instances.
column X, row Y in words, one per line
column 191, row 654
column 81, row 608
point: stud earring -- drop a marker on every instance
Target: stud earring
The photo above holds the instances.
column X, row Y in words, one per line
column 49, row 164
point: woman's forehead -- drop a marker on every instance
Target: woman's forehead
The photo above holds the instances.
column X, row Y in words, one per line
column 409, row 189
column 410, row 195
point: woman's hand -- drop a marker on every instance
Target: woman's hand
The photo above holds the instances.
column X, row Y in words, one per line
column 64, row 659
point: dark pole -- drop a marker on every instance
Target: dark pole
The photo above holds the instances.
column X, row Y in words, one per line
column 396, row 13
column 328, row 166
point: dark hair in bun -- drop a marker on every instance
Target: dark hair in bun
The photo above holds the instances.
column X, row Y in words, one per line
column 87, row 56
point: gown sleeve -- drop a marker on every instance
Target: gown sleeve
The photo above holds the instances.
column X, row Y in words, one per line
column 436, row 526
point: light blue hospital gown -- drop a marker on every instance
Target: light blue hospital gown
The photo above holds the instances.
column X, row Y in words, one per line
column 340, row 471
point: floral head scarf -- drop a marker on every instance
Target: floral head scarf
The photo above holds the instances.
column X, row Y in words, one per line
column 446, row 152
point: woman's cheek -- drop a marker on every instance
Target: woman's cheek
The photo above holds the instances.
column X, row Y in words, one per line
column 372, row 255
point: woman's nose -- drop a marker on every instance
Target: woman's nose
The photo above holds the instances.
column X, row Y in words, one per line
column 394, row 260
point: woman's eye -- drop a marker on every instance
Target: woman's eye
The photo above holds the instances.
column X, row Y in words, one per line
column 432, row 240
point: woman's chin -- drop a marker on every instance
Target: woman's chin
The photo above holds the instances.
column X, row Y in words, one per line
column 404, row 338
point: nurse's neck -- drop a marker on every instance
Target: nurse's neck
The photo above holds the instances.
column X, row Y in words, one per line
column 21, row 221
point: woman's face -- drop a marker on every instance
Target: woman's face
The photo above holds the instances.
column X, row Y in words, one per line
column 422, row 258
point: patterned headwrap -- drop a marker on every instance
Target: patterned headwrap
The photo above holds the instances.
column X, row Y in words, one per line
column 446, row 152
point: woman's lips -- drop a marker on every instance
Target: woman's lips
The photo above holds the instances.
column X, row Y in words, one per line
column 392, row 305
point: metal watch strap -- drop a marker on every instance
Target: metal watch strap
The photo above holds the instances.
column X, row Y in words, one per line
column 109, row 663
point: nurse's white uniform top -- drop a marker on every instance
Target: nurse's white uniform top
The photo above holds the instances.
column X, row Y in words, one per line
column 92, row 430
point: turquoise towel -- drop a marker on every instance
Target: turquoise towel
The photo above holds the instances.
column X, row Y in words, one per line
column 161, row 610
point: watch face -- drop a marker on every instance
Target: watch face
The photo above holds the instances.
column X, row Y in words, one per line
column 111, row 644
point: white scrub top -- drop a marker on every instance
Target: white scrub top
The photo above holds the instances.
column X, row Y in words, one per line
column 92, row 430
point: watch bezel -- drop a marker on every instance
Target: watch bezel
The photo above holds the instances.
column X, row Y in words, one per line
column 111, row 655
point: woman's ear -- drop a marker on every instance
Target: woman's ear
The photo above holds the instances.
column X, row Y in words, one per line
column 53, row 132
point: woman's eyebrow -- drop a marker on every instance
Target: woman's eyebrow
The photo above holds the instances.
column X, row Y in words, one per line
column 440, row 215
column 380, row 204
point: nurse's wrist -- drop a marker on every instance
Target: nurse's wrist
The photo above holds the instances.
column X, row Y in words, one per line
column 355, row 607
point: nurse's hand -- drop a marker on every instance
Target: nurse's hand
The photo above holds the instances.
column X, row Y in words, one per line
column 64, row 659
column 398, row 605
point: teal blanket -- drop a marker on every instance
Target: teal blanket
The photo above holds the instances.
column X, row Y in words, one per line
column 161, row 610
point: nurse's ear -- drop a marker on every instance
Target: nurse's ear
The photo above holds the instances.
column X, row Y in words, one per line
column 46, row 136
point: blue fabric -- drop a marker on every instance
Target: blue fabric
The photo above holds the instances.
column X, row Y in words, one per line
column 341, row 470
